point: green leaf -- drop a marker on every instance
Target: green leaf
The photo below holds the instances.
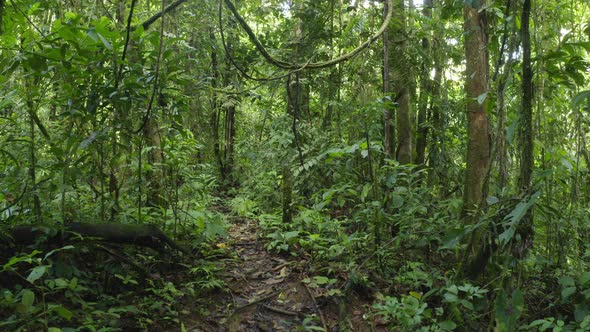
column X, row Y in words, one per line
column 92, row 34
column 584, row 278
column 61, row 283
column 583, row 96
column 36, row 273
column 515, row 216
column 507, row 235
column 291, row 234
column 467, row 304
column 567, row 281
column 321, row 280
column 73, row 283
column 396, row 201
column 450, row 297
column 567, row 292
column 508, row 310
column 482, row 97
column 492, row 200
column 453, row 238
column 17, row 259
column 447, row 325
column 581, row 310
column 87, row 141
column 28, row 298
column 365, row 192
column 63, row 312
column 68, row 247
column 67, row 34
column 38, row 63
column 105, row 42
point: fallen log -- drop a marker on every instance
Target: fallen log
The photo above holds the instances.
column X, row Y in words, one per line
column 143, row 235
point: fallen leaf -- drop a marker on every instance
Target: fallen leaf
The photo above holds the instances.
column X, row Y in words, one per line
column 283, row 272
column 273, row 281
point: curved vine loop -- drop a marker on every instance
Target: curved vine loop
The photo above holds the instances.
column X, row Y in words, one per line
column 309, row 65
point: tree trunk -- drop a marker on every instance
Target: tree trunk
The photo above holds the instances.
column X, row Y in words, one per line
column 526, row 120
column 476, row 88
column 526, row 133
column 478, row 145
column 400, row 73
column 144, row 235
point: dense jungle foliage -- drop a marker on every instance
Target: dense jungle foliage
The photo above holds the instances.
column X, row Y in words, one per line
column 294, row 165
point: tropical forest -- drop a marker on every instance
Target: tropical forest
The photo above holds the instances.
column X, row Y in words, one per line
column 294, row 165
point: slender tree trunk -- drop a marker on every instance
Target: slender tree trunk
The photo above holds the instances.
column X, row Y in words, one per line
column 425, row 92
column 118, row 118
column 332, row 85
column 501, row 151
column 216, row 109
column 478, row 145
column 526, row 133
column 389, row 129
column 400, row 74
column 155, row 159
column 33, row 160
column 230, row 134
column 436, row 159
column 287, row 191
column 526, row 167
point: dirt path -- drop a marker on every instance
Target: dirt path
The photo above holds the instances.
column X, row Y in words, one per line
column 265, row 291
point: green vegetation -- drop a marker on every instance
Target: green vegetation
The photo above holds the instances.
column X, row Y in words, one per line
column 294, row 165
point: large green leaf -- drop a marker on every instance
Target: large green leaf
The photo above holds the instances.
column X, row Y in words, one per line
column 36, row 273
column 508, row 310
column 515, row 216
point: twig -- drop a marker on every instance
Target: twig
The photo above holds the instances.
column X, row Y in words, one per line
column 316, row 307
column 280, row 311
column 271, row 295
column 280, row 266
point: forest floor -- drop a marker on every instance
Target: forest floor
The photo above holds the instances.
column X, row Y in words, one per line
column 270, row 292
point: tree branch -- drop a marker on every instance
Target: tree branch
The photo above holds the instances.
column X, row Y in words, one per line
column 146, row 24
